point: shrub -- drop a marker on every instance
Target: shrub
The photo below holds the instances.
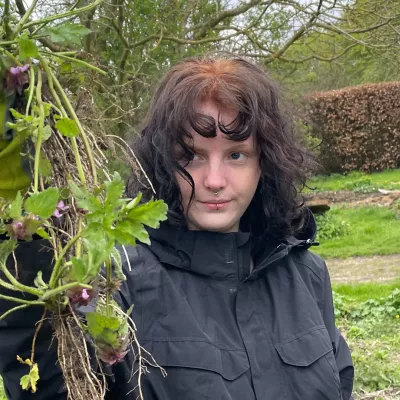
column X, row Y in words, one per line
column 358, row 127
column 331, row 227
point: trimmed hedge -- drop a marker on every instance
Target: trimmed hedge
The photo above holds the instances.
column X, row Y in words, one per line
column 359, row 127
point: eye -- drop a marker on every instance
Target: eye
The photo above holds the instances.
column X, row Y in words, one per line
column 238, row 156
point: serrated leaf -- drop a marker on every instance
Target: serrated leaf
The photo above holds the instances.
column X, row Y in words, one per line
column 6, row 248
column 117, row 264
column 42, row 233
column 67, row 33
column 150, row 213
column 67, row 127
column 134, row 229
column 78, row 268
column 114, row 189
column 122, row 237
column 16, row 207
column 84, row 198
column 39, row 282
column 30, row 381
column 44, row 203
column 27, row 48
column 97, row 323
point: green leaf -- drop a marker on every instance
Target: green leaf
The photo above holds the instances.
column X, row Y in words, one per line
column 27, row 48
column 67, row 127
column 98, row 251
column 39, row 282
column 42, row 233
column 98, row 322
column 45, row 167
column 25, row 381
column 123, row 237
column 84, row 198
column 44, row 203
column 78, row 268
column 30, row 381
column 133, row 203
column 16, row 207
column 6, row 248
column 135, row 229
column 150, row 213
column 110, row 337
column 117, row 264
column 114, row 190
column 31, row 226
column 67, row 33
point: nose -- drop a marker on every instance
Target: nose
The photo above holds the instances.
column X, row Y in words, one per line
column 215, row 178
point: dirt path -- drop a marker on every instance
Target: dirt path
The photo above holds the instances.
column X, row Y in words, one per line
column 364, row 269
column 354, row 199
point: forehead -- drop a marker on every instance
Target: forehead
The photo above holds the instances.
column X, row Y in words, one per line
column 221, row 114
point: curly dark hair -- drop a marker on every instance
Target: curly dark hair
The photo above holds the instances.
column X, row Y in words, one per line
column 277, row 207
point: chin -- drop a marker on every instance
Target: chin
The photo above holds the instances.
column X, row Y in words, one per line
column 215, row 224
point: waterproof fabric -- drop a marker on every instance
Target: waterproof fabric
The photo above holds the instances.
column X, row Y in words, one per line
column 220, row 331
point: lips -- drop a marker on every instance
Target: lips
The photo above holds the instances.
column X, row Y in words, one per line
column 216, row 205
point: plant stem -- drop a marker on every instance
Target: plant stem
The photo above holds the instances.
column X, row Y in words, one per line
column 63, row 15
column 40, row 133
column 19, row 286
column 6, row 17
column 59, row 289
column 36, row 333
column 12, row 310
column 64, row 114
column 108, row 279
column 10, row 55
column 71, row 110
column 57, row 266
column 31, row 89
column 22, row 301
column 76, row 61
column 25, row 18
column 8, row 285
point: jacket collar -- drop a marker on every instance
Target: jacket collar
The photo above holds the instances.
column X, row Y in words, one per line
column 216, row 254
column 207, row 253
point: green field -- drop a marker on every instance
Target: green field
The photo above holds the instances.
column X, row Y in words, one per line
column 371, row 231
column 356, row 180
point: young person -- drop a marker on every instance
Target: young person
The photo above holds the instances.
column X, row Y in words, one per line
column 228, row 298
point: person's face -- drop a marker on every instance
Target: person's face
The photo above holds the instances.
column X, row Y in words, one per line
column 230, row 169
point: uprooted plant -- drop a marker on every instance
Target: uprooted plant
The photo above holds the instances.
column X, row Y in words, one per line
column 70, row 199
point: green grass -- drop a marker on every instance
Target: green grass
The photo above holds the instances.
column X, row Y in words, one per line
column 388, row 179
column 372, row 231
column 361, row 292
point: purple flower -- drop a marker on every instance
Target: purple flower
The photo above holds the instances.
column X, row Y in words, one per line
column 16, row 78
column 85, row 295
column 60, row 209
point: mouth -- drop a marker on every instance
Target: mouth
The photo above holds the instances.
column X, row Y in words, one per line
column 216, row 205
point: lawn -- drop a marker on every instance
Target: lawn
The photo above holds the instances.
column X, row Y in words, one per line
column 371, row 231
column 358, row 181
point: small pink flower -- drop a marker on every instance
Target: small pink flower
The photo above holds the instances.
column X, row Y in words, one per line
column 85, row 295
column 60, row 209
column 16, row 78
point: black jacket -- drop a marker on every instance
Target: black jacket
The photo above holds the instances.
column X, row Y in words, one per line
column 221, row 331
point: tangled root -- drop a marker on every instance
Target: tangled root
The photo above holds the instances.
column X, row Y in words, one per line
column 81, row 382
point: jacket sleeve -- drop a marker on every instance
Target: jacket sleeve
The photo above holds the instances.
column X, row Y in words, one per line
column 340, row 347
column 17, row 330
